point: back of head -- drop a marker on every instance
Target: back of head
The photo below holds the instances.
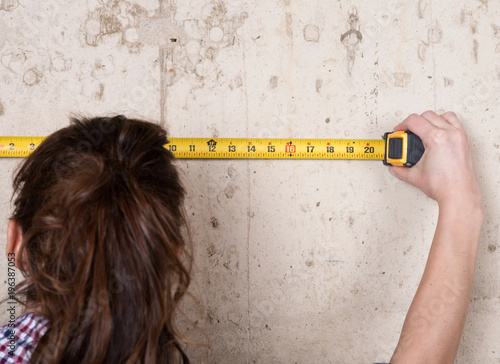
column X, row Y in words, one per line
column 100, row 207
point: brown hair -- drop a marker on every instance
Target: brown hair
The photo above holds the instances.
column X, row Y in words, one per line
column 100, row 205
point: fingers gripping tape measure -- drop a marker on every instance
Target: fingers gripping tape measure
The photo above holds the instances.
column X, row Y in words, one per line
column 397, row 148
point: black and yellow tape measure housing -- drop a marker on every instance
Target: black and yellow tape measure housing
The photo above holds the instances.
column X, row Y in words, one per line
column 402, row 148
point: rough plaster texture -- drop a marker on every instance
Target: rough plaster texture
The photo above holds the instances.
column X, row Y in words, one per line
column 296, row 261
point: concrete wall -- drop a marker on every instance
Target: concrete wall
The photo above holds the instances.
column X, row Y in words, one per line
column 296, row 261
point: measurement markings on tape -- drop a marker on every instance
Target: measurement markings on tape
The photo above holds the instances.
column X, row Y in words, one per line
column 18, row 146
column 399, row 148
column 239, row 148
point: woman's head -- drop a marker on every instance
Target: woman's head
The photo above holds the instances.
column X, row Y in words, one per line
column 100, row 207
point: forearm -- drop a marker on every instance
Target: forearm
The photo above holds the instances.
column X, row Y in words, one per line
column 434, row 324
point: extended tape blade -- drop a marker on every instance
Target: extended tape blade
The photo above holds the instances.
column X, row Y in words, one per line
column 261, row 148
column 18, row 146
column 239, row 148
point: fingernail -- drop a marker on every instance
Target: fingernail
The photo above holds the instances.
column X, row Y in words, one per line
column 392, row 172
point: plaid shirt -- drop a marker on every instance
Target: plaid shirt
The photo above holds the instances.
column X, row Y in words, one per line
column 18, row 342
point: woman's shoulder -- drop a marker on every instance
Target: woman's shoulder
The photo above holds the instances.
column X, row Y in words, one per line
column 20, row 336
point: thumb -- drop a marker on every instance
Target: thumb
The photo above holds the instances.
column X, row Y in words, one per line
column 401, row 172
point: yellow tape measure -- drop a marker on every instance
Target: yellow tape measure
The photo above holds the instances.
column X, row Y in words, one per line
column 240, row 148
column 18, row 146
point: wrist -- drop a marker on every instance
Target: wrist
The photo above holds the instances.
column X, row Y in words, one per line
column 464, row 215
column 458, row 231
column 469, row 204
column 464, row 211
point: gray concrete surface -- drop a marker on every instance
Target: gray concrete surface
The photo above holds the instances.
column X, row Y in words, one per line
column 296, row 261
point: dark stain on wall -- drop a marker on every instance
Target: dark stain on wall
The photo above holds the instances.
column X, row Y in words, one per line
column 214, row 222
column 475, row 48
column 319, row 84
column 273, row 82
column 351, row 39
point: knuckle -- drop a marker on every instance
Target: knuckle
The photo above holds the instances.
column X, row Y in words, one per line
column 413, row 116
column 428, row 114
column 458, row 136
column 439, row 136
column 450, row 114
column 413, row 119
column 454, row 136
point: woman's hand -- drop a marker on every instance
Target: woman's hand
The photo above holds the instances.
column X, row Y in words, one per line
column 445, row 172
